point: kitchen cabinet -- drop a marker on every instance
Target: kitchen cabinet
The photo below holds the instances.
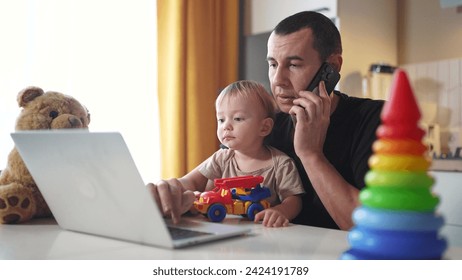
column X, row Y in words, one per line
column 449, row 189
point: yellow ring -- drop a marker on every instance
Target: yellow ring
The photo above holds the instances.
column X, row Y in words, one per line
column 401, row 162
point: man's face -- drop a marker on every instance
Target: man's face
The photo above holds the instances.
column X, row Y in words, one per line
column 292, row 62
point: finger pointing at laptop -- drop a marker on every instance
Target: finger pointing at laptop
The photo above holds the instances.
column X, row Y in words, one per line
column 173, row 200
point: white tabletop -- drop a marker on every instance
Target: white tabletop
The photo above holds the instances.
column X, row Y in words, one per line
column 44, row 239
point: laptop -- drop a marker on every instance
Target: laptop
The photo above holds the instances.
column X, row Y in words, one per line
column 91, row 184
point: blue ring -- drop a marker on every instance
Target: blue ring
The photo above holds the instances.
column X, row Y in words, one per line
column 388, row 244
column 397, row 220
column 353, row 254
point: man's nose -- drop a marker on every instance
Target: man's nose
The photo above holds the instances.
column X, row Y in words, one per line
column 279, row 77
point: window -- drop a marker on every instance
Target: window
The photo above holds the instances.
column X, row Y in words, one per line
column 103, row 53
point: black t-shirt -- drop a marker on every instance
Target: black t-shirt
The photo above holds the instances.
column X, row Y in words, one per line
column 348, row 143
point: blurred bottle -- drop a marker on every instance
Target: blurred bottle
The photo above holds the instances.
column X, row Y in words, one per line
column 378, row 81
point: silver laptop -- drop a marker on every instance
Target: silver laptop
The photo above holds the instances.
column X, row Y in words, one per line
column 92, row 185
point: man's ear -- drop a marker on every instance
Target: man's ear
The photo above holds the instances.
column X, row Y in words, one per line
column 266, row 126
column 336, row 60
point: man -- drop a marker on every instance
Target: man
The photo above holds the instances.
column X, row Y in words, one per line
column 332, row 136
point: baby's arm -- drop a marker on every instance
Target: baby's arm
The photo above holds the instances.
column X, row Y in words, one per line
column 281, row 214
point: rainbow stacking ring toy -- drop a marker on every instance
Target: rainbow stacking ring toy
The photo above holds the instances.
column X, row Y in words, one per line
column 397, row 218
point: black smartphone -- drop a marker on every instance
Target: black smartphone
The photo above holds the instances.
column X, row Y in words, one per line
column 327, row 74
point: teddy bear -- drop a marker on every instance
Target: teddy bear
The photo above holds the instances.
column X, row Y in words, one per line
column 20, row 199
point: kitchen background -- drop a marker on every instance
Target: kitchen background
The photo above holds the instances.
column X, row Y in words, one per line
column 424, row 37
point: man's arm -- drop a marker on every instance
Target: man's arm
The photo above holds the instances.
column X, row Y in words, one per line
column 339, row 197
column 313, row 117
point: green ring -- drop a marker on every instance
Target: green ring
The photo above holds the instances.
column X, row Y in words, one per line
column 409, row 199
column 380, row 178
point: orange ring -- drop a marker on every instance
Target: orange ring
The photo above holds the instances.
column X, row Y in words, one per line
column 401, row 162
column 399, row 146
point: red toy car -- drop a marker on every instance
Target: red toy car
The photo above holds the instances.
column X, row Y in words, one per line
column 241, row 195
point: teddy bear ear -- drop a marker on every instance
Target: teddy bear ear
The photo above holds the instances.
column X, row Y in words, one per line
column 88, row 114
column 28, row 94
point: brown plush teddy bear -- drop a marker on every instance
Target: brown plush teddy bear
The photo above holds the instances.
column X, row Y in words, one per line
column 20, row 199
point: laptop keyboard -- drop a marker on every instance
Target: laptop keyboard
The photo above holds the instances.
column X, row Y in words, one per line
column 181, row 233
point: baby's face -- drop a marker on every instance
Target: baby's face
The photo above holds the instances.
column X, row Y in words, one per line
column 239, row 123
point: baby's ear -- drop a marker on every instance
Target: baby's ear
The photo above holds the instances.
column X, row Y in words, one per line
column 266, row 126
column 28, row 94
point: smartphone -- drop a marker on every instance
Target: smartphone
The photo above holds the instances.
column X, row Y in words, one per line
column 327, row 74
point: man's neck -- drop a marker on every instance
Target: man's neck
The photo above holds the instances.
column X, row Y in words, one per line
column 334, row 104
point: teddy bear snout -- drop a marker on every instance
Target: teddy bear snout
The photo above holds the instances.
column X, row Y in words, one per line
column 67, row 121
column 75, row 122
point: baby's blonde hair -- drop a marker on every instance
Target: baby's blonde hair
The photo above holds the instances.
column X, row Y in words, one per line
column 250, row 91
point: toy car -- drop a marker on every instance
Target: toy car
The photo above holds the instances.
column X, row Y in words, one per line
column 241, row 195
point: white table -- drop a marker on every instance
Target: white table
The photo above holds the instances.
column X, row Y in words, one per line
column 44, row 239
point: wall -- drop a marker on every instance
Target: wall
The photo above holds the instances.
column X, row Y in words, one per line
column 430, row 40
column 369, row 35
column 101, row 52
column 437, row 86
column 428, row 32
column 261, row 16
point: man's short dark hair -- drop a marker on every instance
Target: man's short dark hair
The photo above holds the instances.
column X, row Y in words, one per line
column 326, row 37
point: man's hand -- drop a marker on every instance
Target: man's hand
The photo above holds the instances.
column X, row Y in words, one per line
column 171, row 198
column 312, row 113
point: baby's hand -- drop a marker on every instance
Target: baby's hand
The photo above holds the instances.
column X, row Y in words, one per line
column 271, row 218
column 193, row 209
column 197, row 194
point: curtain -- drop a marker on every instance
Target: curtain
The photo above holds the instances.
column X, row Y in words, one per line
column 197, row 57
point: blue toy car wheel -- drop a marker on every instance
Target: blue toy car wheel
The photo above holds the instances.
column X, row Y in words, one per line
column 253, row 210
column 216, row 212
